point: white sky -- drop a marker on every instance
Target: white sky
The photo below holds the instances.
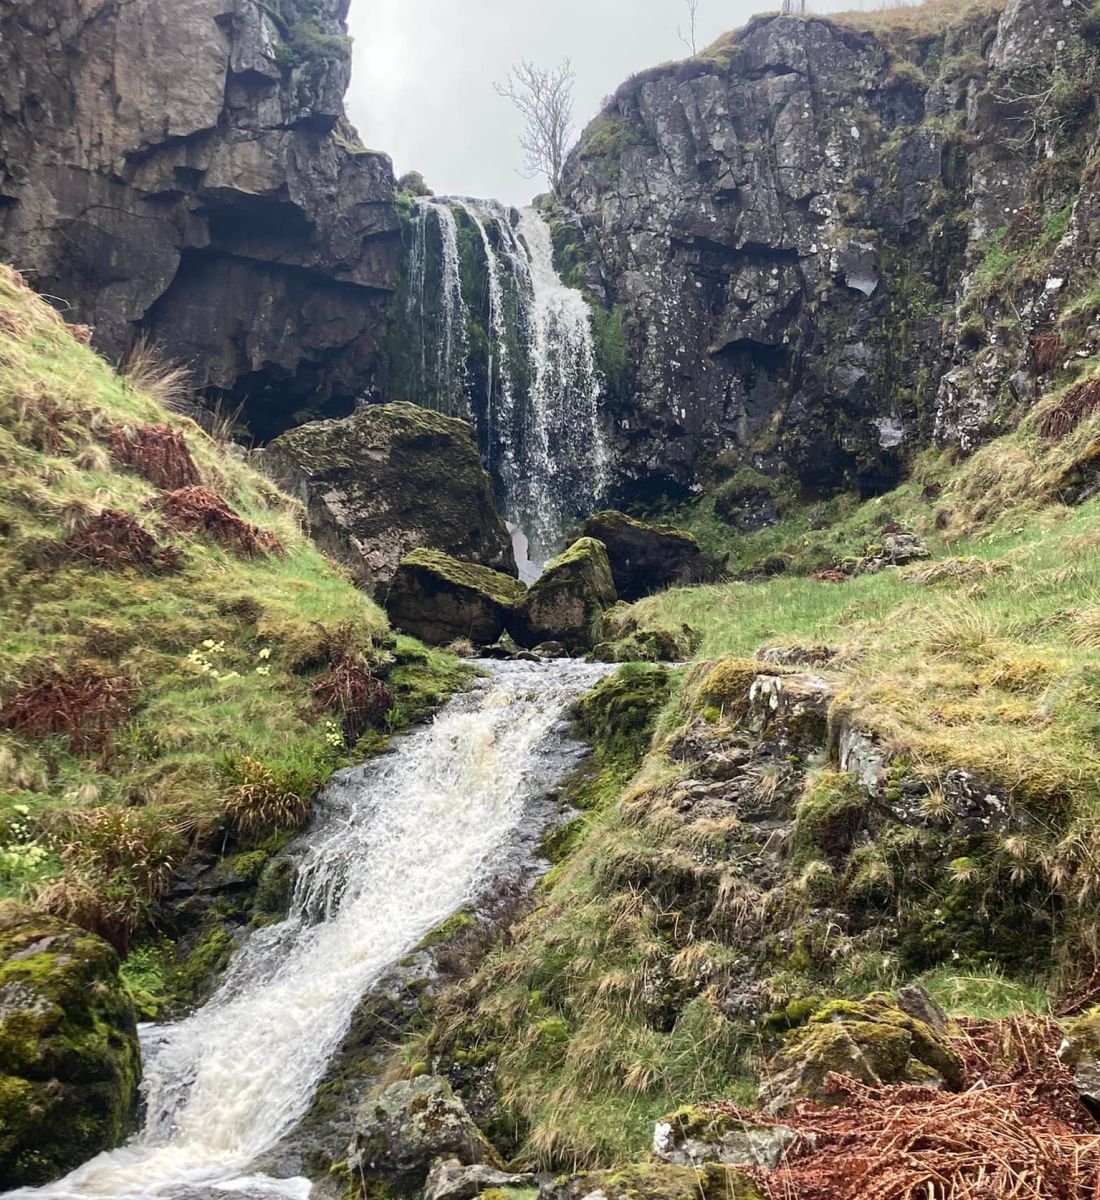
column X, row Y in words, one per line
column 422, row 86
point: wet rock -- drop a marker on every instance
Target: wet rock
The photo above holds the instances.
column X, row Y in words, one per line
column 696, row 1135
column 185, row 171
column 69, row 1056
column 875, row 1041
column 438, row 599
column 896, row 550
column 551, row 650
column 401, row 1133
column 648, row 558
column 449, row 1179
column 565, row 602
column 387, row 480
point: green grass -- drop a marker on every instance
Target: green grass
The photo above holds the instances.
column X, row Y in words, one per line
column 222, row 657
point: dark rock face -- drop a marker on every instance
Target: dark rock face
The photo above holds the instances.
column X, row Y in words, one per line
column 185, row 171
column 438, row 599
column 565, row 602
column 387, row 480
column 68, row 1043
column 787, row 220
column 647, row 558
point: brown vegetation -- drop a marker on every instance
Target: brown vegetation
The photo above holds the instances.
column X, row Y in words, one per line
column 830, row 576
column 199, row 510
column 260, row 802
column 1047, row 350
column 1076, row 406
column 80, row 701
column 158, row 453
column 349, row 690
column 114, row 539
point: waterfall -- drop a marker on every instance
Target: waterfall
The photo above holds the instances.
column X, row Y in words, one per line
column 397, row 845
column 539, row 419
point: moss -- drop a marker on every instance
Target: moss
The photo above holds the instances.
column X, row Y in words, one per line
column 502, row 589
column 195, row 978
column 663, row 1181
column 619, row 714
column 828, row 815
column 456, row 924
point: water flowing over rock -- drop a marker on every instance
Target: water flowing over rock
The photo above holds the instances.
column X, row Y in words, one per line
column 397, row 845
column 185, row 171
column 494, row 335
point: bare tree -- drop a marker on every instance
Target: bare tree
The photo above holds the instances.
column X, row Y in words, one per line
column 690, row 39
column 544, row 99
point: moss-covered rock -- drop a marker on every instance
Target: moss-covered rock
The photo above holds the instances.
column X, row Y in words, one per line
column 69, row 1056
column 875, row 1041
column 403, row 1131
column 619, row 713
column 656, row 1181
column 565, row 602
column 439, row 599
column 389, row 479
column 646, row 558
column 698, row 1134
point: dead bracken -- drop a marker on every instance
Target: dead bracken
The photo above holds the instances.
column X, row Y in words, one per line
column 1075, row 407
column 199, row 510
column 81, row 701
column 159, row 453
column 114, row 539
column 1017, row 1130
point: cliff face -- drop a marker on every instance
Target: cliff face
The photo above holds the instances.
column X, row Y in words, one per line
column 833, row 242
column 184, row 171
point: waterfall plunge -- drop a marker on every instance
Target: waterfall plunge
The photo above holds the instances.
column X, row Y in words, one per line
column 539, row 422
column 398, row 845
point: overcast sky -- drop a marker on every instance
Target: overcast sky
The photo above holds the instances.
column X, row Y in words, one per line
column 422, row 88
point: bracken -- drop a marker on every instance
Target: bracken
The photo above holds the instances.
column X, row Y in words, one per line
column 157, row 452
column 199, row 510
column 81, row 701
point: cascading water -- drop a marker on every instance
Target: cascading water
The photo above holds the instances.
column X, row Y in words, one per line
column 536, row 401
column 398, row 845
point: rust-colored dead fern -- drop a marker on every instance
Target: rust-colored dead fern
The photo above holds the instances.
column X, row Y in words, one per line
column 158, row 453
column 1075, row 407
column 1046, row 350
column 81, row 701
column 199, row 510
column 114, row 539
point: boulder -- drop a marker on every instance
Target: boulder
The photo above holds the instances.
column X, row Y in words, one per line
column 439, row 599
column 647, row 558
column 389, row 479
column 697, row 1134
column 449, row 1179
column 876, row 1041
column 896, row 550
column 400, row 1134
column 69, row 1055
column 1080, row 1051
column 565, row 602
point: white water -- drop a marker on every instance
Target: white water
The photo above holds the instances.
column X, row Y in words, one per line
column 544, row 437
column 397, row 846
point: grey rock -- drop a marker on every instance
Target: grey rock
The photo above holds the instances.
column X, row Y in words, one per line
column 449, row 1179
column 717, row 1137
column 565, row 603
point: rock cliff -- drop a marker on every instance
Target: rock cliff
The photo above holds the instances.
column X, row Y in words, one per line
column 184, row 171
column 832, row 240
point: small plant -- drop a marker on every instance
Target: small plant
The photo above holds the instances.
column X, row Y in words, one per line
column 199, row 510
column 262, row 801
column 159, row 453
column 145, row 369
column 80, row 701
column 113, row 539
column 1075, row 407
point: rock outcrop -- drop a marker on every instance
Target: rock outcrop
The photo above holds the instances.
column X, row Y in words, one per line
column 68, row 1042
column 784, row 221
column 390, row 479
column 184, row 171
column 647, row 558
column 439, row 599
column 565, row 602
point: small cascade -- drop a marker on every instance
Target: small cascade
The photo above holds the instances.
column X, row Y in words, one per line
column 397, row 846
column 536, row 401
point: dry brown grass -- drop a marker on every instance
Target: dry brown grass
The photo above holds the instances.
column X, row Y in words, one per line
column 1075, row 407
column 919, row 20
column 260, row 802
column 145, row 369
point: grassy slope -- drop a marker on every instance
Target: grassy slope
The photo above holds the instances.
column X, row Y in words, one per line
column 118, row 816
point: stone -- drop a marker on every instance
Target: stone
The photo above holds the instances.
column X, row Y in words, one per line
column 654, row 1181
column 896, row 550
column 439, row 599
column 565, row 602
column 696, row 1135
column 875, row 1041
column 390, row 479
column 449, row 1179
column 1080, row 1051
column 70, row 1062
column 185, row 172
column 403, row 1131
column 794, row 708
column 649, row 558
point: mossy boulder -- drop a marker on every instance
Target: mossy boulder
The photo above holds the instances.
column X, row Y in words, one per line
column 387, row 480
column 698, row 1134
column 439, row 599
column 655, row 1181
column 876, row 1041
column 565, row 603
column 1080, row 1051
column 618, row 715
column 400, row 1134
column 647, row 558
column 70, row 1062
